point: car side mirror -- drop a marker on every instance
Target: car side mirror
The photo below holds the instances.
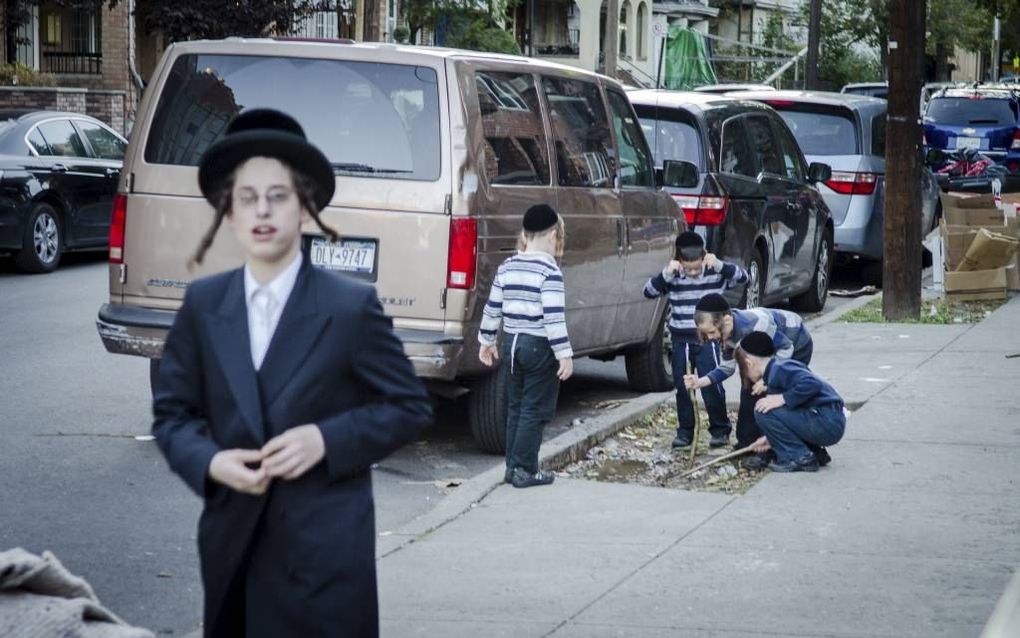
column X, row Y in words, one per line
column 680, row 174
column 818, row 172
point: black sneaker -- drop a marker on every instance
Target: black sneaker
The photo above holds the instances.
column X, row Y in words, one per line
column 719, row 441
column 524, row 479
column 823, row 457
column 759, row 461
column 508, row 476
column 806, row 463
column 681, row 441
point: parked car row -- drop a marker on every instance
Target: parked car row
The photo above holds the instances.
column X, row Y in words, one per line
column 983, row 118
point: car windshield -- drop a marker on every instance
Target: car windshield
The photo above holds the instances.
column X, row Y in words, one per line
column 970, row 111
column 822, row 133
column 370, row 119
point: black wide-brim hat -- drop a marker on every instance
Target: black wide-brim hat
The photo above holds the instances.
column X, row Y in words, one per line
column 264, row 133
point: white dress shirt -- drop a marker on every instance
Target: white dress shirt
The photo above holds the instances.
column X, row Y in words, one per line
column 265, row 305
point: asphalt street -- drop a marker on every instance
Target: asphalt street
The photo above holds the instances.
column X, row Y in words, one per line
column 78, row 481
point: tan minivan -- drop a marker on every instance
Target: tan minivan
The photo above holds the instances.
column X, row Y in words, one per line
column 437, row 153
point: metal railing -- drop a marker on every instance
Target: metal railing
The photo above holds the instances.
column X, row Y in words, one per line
column 71, row 63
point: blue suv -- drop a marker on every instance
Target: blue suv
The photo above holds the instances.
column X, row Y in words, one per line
column 981, row 119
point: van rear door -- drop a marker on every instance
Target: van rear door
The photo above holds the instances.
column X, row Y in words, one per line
column 378, row 117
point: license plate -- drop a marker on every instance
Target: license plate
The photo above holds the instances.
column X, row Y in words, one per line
column 968, row 142
column 347, row 255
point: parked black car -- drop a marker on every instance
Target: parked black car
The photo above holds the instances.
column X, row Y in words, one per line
column 747, row 188
column 58, row 176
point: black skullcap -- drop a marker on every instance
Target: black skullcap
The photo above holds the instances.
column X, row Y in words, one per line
column 713, row 302
column 540, row 218
column 759, row 344
column 689, row 239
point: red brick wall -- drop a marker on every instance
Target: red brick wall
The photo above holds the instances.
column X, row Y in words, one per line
column 108, row 106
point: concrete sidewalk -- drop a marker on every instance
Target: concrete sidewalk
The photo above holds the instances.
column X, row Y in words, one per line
column 914, row 530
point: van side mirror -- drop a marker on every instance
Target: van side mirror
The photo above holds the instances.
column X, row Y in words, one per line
column 680, row 174
column 818, row 172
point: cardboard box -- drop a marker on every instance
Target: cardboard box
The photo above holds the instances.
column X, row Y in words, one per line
column 987, row 251
column 976, row 285
column 970, row 209
column 956, row 239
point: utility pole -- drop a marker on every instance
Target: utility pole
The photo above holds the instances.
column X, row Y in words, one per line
column 901, row 270
column 611, row 39
column 814, row 39
column 996, row 48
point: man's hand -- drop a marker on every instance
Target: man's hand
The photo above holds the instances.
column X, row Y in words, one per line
column 769, row 403
column 566, row 369
column 673, row 267
column 488, row 355
column 711, row 261
column 228, row 467
column 761, row 445
column 759, row 387
column 693, row 382
column 291, row 454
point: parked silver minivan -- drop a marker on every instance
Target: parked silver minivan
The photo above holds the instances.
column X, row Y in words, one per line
column 437, row 153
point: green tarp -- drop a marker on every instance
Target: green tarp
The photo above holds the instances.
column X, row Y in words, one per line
column 686, row 64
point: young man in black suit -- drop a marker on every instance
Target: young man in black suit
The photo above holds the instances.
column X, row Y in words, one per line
column 280, row 385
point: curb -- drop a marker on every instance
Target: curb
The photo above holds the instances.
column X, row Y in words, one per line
column 562, row 450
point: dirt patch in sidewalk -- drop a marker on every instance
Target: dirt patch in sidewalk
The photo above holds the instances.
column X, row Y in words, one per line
column 641, row 453
column 933, row 311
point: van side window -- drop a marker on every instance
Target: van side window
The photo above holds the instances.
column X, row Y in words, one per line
column 763, row 142
column 515, row 141
column 635, row 167
column 580, row 132
column 736, row 156
column 792, row 161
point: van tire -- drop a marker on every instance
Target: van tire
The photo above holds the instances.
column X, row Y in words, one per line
column 487, row 411
column 649, row 369
column 813, row 299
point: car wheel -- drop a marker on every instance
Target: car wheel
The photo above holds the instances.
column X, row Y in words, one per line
column 43, row 241
column 487, row 411
column 650, row 368
column 813, row 299
column 754, row 292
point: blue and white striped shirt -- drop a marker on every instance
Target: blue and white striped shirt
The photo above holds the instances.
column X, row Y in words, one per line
column 685, row 293
column 790, row 337
column 528, row 297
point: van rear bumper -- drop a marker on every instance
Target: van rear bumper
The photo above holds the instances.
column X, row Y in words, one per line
column 142, row 331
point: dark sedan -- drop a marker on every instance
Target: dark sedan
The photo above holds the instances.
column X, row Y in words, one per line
column 58, row 176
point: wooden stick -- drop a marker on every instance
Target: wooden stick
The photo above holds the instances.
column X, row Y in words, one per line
column 697, row 418
column 725, row 457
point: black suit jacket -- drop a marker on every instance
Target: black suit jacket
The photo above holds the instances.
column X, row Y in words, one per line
column 305, row 551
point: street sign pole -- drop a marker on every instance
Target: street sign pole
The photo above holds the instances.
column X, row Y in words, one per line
column 901, row 271
column 814, row 43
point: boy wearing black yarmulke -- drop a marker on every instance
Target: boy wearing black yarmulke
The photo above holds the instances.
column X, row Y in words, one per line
column 800, row 413
column 692, row 274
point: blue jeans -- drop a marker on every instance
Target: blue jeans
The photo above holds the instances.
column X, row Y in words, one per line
column 793, row 432
column 532, row 390
column 703, row 358
column 747, row 428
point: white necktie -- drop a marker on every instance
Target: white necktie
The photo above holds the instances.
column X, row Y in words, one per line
column 265, row 306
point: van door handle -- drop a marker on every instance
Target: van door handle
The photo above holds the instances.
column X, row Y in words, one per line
column 112, row 172
column 58, row 168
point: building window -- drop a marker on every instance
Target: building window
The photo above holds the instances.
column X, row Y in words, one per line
column 557, row 28
column 71, row 40
column 642, row 28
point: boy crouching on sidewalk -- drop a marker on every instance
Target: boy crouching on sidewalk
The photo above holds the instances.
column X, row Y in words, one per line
column 690, row 276
column 800, row 414
column 528, row 296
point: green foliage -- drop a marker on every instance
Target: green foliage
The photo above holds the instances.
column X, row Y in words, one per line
column 481, row 36
column 26, row 76
column 401, row 34
column 468, row 24
column 846, row 23
column 933, row 311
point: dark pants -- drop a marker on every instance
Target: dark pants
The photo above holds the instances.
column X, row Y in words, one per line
column 747, row 428
column 532, row 388
column 793, row 432
column 704, row 359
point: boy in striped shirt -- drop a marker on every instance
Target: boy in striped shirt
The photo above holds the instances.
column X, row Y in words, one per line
column 528, row 297
column 693, row 274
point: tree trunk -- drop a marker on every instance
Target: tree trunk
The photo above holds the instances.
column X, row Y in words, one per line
column 373, row 20
column 901, row 276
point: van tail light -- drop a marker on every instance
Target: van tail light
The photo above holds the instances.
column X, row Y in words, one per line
column 463, row 259
column 117, row 223
column 848, row 183
column 1016, row 141
column 703, row 211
